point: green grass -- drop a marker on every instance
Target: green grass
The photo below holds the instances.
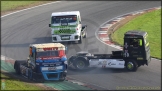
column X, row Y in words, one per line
column 15, row 84
column 13, row 5
column 149, row 22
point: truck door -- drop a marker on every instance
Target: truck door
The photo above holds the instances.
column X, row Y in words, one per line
column 31, row 62
column 135, row 48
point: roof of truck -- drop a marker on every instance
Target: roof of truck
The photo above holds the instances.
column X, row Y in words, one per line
column 66, row 13
column 136, row 32
column 47, row 45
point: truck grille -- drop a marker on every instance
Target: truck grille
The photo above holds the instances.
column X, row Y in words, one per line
column 53, row 75
column 64, row 31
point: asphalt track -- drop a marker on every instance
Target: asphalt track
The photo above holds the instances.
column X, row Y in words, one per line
column 31, row 26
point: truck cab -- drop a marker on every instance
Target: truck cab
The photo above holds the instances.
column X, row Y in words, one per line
column 46, row 61
column 136, row 47
column 67, row 26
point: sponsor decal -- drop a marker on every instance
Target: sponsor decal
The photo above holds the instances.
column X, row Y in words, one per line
column 109, row 63
column 121, row 64
column 113, row 64
column 104, row 62
column 99, row 63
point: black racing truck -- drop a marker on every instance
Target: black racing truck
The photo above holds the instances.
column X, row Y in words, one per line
column 136, row 52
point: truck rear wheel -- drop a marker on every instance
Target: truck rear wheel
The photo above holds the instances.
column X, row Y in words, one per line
column 80, row 63
column 17, row 68
column 131, row 65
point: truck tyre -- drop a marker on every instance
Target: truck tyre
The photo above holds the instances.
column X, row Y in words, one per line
column 80, row 41
column 17, row 67
column 70, row 61
column 80, row 63
column 131, row 65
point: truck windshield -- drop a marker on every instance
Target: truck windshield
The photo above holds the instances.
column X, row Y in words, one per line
column 47, row 54
column 64, row 19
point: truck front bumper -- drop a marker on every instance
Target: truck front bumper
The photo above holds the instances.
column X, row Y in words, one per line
column 49, row 75
column 62, row 38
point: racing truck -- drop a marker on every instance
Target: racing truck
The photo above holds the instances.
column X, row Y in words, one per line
column 67, row 26
column 136, row 52
column 46, row 62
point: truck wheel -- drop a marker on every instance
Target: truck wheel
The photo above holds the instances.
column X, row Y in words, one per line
column 80, row 63
column 80, row 41
column 17, row 67
column 131, row 65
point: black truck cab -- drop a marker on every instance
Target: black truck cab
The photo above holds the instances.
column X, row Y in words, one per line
column 136, row 47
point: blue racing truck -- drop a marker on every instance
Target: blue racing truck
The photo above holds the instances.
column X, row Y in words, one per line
column 46, row 61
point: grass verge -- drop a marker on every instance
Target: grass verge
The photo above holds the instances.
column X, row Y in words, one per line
column 149, row 22
column 8, row 83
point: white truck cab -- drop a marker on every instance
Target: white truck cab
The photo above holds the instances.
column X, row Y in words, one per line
column 66, row 26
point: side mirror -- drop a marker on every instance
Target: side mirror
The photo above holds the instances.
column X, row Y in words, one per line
column 49, row 25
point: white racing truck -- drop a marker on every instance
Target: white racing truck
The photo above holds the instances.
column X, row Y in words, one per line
column 136, row 52
column 66, row 26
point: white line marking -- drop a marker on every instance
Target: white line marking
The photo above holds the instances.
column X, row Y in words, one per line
column 29, row 8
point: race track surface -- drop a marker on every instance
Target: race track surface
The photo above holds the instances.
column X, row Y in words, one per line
column 31, row 26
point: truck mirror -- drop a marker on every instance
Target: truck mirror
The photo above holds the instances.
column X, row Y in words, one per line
column 49, row 25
